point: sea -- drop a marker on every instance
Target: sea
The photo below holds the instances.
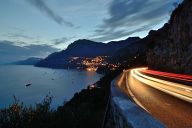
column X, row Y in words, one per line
column 61, row 84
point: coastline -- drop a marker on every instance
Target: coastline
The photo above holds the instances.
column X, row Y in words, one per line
column 61, row 84
column 85, row 109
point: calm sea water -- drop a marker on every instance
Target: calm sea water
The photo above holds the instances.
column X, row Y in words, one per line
column 61, row 84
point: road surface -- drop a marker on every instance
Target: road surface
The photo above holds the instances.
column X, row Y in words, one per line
column 166, row 96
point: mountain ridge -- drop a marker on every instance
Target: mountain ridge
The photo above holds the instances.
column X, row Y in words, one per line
column 84, row 48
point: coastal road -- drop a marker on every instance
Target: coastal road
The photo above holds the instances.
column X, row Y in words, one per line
column 166, row 96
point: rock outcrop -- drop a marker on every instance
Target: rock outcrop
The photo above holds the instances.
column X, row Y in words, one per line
column 170, row 48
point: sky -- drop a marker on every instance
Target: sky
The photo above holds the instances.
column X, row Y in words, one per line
column 57, row 23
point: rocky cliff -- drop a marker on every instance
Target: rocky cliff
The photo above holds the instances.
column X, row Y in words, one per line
column 170, row 48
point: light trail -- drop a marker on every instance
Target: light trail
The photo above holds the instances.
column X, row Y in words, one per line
column 185, row 87
column 168, row 101
column 178, row 90
column 133, row 97
column 169, row 75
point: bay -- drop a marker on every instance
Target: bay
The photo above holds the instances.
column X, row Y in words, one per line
column 62, row 84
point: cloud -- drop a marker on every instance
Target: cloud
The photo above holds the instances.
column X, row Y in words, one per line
column 42, row 49
column 43, row 7
column 10, row 52
column 20, row 35
column 117, row 34
column 62, row 40
column 130, row 16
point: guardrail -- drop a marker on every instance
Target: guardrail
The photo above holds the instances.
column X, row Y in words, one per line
column 127, row 114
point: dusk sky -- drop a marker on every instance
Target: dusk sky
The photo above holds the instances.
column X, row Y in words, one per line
column 60, row 22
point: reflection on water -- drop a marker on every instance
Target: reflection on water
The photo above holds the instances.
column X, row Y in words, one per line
column 60, row 83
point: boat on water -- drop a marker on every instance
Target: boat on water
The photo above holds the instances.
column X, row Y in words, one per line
column 29, row 84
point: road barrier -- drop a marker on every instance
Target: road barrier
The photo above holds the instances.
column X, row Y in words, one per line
column 127, row 114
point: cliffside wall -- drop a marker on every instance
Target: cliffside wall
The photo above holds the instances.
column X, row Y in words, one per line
column 171, row 46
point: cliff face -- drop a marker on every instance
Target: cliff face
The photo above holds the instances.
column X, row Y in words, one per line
column 170, row 48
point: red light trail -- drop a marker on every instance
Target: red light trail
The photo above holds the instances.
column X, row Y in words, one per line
column 169, row 75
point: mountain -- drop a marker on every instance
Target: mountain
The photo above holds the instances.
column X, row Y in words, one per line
column 29, row 61
column 137, row 48
column 167, row 49
column 170, row 48
column 84, row 48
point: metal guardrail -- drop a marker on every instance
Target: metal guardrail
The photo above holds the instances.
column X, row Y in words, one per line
column 129, row 114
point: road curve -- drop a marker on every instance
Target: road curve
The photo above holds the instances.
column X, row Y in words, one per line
column 166, row 96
